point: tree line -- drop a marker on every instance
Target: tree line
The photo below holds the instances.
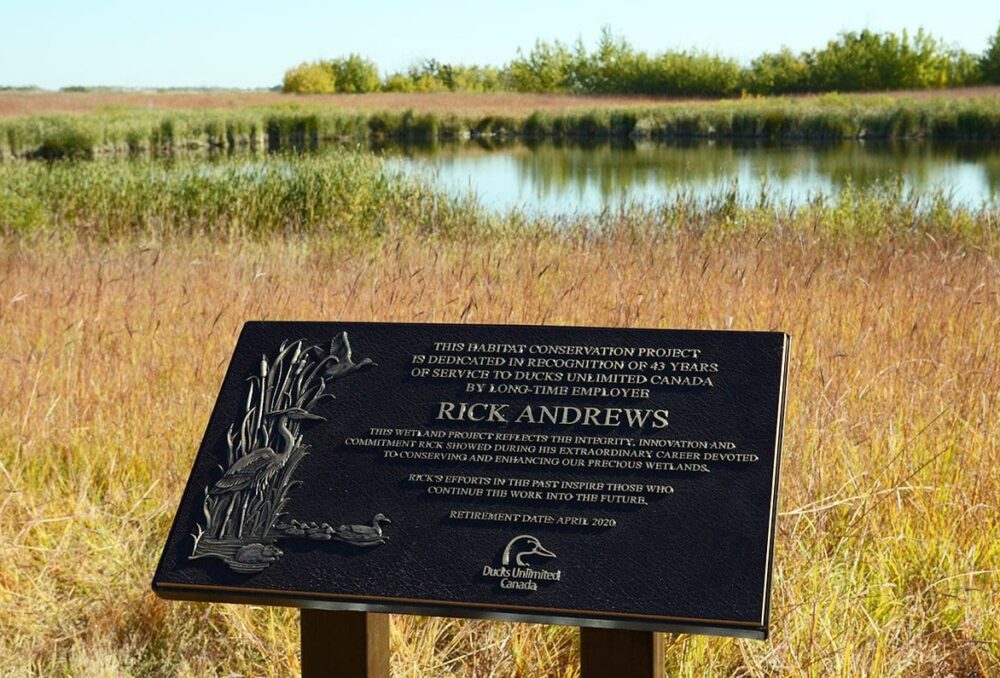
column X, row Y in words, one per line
column 854, row 61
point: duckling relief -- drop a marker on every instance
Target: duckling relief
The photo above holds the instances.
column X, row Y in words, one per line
column 244, row 509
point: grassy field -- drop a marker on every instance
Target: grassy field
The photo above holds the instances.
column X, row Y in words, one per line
column 21, row 104
column 17, row 104
column 123, row 285
column 175, row 122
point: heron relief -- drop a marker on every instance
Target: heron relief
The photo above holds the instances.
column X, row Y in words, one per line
column 244, row 508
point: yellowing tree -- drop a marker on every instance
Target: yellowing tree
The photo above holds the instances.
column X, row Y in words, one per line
column 309, row 78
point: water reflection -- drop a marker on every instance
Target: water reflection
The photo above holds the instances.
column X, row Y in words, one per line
column 555, row 177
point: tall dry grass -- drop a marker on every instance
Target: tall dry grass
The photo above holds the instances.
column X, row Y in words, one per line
column 888, row 557
column 27, row 103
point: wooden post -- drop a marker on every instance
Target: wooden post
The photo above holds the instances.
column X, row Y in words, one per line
column 344, row 644
column 613, row 653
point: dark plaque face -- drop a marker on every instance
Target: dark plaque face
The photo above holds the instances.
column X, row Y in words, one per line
column 570, row 475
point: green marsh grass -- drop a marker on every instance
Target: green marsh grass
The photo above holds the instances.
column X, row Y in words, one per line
column 133, row 131
column 340, row 193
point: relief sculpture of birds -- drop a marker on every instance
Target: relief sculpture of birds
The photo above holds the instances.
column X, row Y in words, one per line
column 255, row 557
column 342, row 363
column 363, row 535
column 258, row 467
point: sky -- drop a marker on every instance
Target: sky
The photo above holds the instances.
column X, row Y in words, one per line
column 222, row 43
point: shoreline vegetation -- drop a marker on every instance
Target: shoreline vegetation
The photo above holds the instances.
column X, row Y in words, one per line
column 134, row 131
column 354, row 194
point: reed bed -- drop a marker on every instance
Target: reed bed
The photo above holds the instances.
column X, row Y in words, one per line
column 141, row 132
column 113, row 342
column 344, row 192
column 356, row 195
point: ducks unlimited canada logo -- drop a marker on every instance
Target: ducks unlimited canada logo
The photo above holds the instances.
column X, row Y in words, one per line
column 517, row 570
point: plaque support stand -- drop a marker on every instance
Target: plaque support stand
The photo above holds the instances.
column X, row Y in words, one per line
column 344, row 644
column 614, row 653
column 356, row 645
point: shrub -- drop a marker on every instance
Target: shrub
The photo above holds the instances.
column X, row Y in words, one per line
column 309, row 78
column 868, row 61
column 778, row 73
column 434, row 76
column 354, row 74
column 397, row 82
column 610, row 69
column 415, row 79
column 687, row 74
column 69, row 142
column 851, row 62
column 615, row 67
column 459, row 78
column 546, row 68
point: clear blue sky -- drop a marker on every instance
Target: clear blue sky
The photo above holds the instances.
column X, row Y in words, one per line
column 53, row 43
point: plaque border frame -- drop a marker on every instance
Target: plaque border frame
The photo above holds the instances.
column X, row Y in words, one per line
column 497, row 612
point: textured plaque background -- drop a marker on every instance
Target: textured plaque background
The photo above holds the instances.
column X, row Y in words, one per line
column 695, row 560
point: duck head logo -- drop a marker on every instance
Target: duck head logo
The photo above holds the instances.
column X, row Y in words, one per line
column 523, row 547
column 521, row 565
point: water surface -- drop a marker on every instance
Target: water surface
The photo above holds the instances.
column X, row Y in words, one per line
column 552, row 178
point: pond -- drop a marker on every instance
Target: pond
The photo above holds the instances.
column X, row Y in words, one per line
column 549, row 178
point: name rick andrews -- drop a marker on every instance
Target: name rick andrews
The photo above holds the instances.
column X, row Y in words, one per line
column 558, row 415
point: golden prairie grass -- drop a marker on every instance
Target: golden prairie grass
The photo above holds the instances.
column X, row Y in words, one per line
column 17, row 104
column 888, row 557
column 25, row 103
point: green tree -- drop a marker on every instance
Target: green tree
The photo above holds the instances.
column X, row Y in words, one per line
column 989, row 62
column 851, row 62
column 610, row 69
column 872, row 61
column 544, row 69
column 778, row 73
column 431, row 75
column 964, row 69
column 354, row 74
column 462, row 78
column 309, row 78
column 687, row 74
column 423, row 77
column 398, row 82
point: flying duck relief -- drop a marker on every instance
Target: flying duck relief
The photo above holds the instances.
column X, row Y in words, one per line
column 244, row 509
